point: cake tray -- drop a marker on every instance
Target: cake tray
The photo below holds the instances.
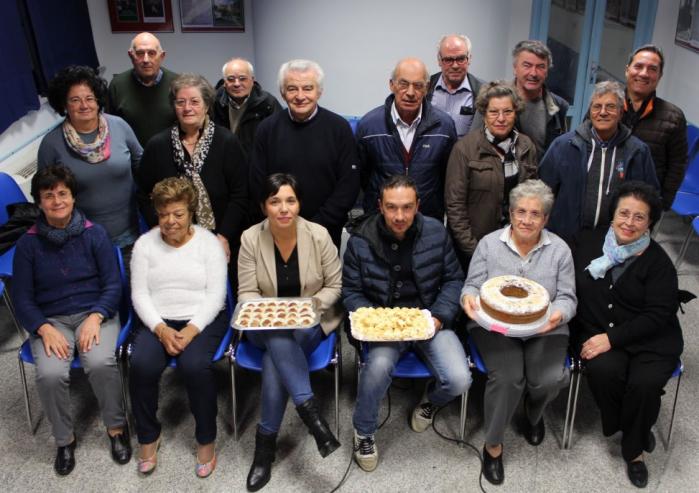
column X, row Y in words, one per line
column 510, row 329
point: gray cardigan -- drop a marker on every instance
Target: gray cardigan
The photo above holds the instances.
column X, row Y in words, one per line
column 550, row 264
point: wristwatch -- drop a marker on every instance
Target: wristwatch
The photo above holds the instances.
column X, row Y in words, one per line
column 100, row 316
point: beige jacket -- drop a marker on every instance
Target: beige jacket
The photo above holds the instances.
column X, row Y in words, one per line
column 320, row 271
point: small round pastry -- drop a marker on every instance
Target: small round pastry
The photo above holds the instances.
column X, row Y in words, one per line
column 278, row 322
column 514, row 299
column 244, row 322
column 306, row 321
column 266, row 322
column 255, row 322
column 292, row 322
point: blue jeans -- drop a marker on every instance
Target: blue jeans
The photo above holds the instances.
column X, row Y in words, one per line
column 284, row 370
column 444, row 356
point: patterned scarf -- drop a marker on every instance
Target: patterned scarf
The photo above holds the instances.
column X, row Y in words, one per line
column 614, row 254
column 93, row 153
column 59, row 236
column 507, row 150
column 191, row 168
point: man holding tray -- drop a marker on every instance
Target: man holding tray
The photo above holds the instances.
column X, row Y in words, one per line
column 400, row 258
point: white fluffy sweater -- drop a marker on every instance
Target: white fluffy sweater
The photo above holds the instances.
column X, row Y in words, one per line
column 185, row 283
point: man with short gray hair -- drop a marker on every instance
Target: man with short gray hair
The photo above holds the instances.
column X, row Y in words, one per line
column 454, row 89
column 585, row 166
column 241, row 104
column 313, row 144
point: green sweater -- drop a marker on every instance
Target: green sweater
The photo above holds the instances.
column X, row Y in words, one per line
column 146, row 109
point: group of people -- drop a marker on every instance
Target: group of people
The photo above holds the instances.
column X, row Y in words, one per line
column 238, row 192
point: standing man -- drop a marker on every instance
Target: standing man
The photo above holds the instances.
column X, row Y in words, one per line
column 311, row 143
column 241, row 104
column 141, row 95
column 405, row 136
column 400, row 258
column 658, row 123
column 454, row 90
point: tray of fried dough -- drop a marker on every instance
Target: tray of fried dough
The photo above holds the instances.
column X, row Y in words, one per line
column 391, row 324
column 276, row 313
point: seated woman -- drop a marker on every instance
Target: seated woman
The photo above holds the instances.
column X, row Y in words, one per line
column 484, row 166
column 627, row 328
column 101, row 150
column 178, row 286
column 533, row 365
column 285, row 255
column 66, row 290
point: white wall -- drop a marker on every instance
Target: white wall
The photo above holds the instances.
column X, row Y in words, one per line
column 680, row 82
column 202, row 53
column 359, row 42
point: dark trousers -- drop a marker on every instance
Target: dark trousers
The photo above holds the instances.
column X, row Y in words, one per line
column 147, row 363
column 627, row 389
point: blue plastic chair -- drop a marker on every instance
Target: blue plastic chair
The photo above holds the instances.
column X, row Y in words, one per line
column 410, row 365
column 125, row 316
column 248, row 356
column 10, row 193
column 476, row 361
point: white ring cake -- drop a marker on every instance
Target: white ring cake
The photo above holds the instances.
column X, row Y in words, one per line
column 514, row 299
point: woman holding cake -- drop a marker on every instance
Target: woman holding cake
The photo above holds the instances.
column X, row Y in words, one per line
column 532, row 366
column 287, row 256
column 627, row 328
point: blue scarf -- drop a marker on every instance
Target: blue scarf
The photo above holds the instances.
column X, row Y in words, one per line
column 614, row 254
column 59, row 236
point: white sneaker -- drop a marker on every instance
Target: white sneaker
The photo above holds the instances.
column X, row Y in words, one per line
column 422, row 417
column 365, row 452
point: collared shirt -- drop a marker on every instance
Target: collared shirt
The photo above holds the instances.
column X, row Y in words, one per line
column 452, row 101
column 154, row 83
column 506, row 237
column 406, row 131
column 315, row 112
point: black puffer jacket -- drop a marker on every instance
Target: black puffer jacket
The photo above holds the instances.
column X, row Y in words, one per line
column 663, row 128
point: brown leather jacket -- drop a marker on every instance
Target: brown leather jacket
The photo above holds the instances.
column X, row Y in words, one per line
column 475, row 184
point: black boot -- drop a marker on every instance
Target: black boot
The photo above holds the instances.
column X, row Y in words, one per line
column 326, row 441
column 261, row 469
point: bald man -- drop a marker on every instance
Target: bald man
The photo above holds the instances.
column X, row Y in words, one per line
column 406, row 136
column 140, row 95
column 454, row 89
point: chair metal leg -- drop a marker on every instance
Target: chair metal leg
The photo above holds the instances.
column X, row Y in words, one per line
column 656, row 229
column 338, row 368
column 13, row 317
column 234, row 397
column 122, row 365
column 574, row 375
column 26, row 395
column 683, row 250
column 462, row 422
column 574, row 409
column 672, row 416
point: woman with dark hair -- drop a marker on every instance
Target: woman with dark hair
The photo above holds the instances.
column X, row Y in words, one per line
column 287, row 256
column 101, row 150
column 209, row 155
column 626, row 327
column 178, row 287
column 484, row 166
column 66, row 290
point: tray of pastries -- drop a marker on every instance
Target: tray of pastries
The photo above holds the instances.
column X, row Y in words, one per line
column 276, row 313
column 391, row 324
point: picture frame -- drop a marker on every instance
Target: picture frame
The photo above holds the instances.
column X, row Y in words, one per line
column 140, row 15
column 687, row 32
column 212, row 16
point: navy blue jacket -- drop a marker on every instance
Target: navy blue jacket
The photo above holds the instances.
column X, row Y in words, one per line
column 381, row 154
column 366, row 277
column 564, row 169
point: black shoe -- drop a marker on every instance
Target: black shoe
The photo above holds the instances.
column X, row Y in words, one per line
column 493, row 469
column 65, row 459
column 261, row 469
column 638, row 473
column 326, row 441
column 535, row 433
column 650, row 442
column 121, row 447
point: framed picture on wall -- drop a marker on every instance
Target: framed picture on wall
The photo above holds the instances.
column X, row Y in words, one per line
column 140, row 15
column 687, row 34
column 212, row 16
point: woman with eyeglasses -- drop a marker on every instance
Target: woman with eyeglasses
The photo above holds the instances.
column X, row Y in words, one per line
column 532, row 367
column 209, row 155
column 626, row 328
column 484, row 166
column 100, row 149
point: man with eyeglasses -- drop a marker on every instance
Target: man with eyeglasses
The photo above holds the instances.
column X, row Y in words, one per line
column 584, row 167
column 141, row 95
column 241, row 104
column 454, row 89
column 657, row 122
column 405, row 136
